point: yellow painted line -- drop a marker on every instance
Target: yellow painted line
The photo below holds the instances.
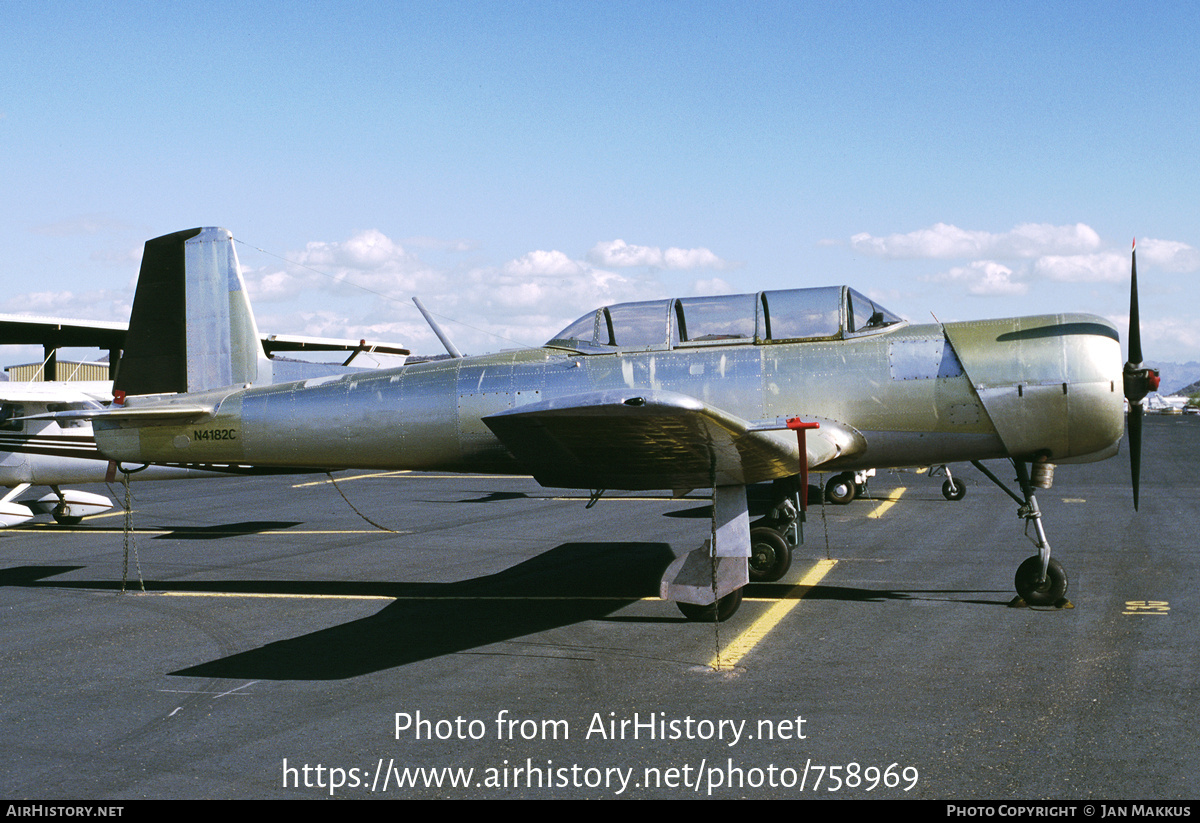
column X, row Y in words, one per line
column 199, row 530
column 344, row 479
column 265, row 594
column 607, row 499
column 415, row 476
column 732, row 654
column 1073, row 500
column 381, row 596
column 887, row 502
column 120, row 513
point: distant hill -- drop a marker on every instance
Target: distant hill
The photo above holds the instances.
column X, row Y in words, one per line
column 1178, row 378
column 1188, row 391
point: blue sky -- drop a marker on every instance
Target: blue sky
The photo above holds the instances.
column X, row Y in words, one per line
column 516, row 164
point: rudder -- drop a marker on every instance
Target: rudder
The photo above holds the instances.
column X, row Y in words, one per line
column 191, row 328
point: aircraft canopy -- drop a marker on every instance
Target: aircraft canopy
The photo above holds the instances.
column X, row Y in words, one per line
column 826, row 313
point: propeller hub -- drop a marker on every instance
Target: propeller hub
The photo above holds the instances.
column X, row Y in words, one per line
column 1139, row 382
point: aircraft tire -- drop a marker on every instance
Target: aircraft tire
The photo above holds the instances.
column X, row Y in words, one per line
column 955, row 490
column 840, row 489
column 717, row 612
column 770, row 555
column 1052, row 590
column 62, row 518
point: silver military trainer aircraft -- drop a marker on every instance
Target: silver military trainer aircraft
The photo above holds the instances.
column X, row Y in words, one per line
column 688, row 393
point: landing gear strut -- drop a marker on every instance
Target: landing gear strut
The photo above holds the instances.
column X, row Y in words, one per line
column 1040, row 581
column 772, row 537
column 706, row 583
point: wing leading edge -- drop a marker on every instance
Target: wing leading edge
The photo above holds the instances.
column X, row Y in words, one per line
column 629, row 439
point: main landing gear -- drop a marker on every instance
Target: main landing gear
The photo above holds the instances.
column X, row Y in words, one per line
column 706, row 583
column 1040, row 580
column 772, row 537
column 770, row 555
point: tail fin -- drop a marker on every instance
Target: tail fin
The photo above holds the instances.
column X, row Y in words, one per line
column 191, row 328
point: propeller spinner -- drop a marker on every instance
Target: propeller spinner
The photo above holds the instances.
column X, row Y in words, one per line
column 1139, row 380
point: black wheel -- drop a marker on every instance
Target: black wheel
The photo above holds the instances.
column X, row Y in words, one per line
column 954, row 490
column 62, row 518
column 720, row 611
column 1049, row 591
column 770, row 555
column 840, row 489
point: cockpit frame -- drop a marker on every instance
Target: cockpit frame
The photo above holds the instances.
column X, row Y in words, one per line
column 761, row 318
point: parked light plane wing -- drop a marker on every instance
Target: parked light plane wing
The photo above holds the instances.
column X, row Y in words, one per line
column 689, row 392
column 46, row 436
column 52, row 333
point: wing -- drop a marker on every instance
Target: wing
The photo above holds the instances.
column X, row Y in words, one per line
column 628, row 439
column 53, row 332
column 58, row 332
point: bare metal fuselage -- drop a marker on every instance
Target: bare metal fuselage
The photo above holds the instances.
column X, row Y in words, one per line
column 918, row 394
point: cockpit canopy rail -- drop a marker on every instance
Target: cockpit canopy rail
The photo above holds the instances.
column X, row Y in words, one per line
column 784, row 316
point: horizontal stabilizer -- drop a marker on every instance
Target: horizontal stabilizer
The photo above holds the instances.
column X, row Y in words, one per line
column 173, row 413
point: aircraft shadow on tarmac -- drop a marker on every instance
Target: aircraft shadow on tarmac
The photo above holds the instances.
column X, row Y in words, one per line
column 226, row 530
column 850, row 594
column 569, row 584
column 496, row 497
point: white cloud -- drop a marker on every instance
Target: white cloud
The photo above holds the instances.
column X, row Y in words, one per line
column 545, row 290
column 1169, row 255
column 271, row 285
column 1105, row 267
column 101, row 304
column 711, row 286
column 438, row 244
column 621, row 255
column 361, row 287
column 985, row 278
column 366, row 250
column 943, row 241
column 368, row 262
column 543, row 263
column 1164, row 338
column 1047, row 253
column 520, row 302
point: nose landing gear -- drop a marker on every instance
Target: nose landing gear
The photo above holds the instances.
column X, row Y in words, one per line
column 1040, row 580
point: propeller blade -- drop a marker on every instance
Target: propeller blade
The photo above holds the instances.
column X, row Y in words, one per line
column 1135, row 321
column 1139, row 381
column 1135, row 448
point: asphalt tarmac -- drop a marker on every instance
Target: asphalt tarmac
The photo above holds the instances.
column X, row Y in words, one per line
column 483, row 637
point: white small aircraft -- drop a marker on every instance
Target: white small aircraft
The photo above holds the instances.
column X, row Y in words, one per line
column 49, row 453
